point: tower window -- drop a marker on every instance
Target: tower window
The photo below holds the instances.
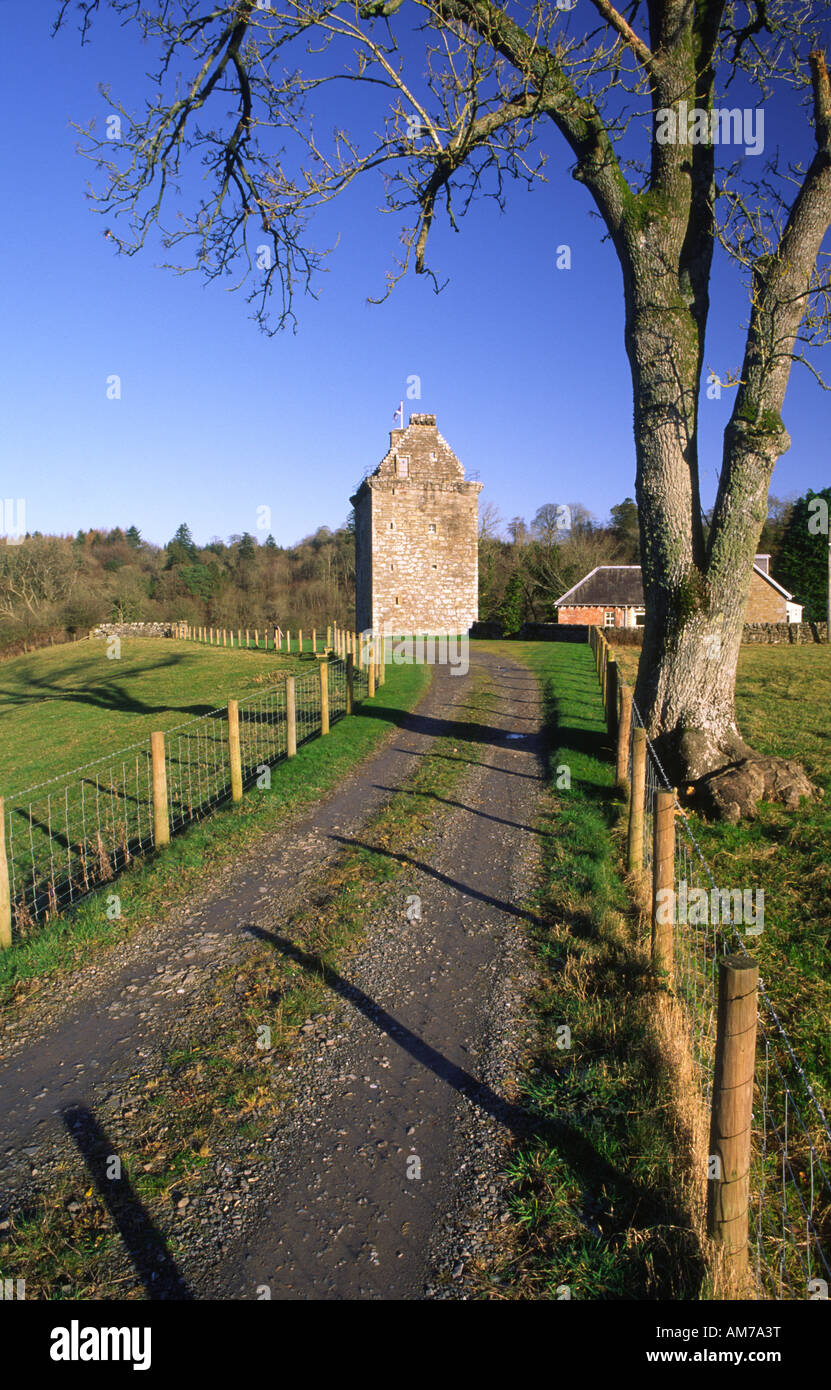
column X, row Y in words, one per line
column 404, row 467
column 392, row 525
column 432, row 528
column 396, row 600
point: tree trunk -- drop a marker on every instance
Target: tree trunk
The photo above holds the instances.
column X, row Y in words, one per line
column 695, row 594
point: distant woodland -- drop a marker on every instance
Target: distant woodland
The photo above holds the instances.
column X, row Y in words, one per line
column 57, row 587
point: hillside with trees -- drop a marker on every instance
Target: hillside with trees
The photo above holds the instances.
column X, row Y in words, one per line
column 54, row 587
column 57, row 587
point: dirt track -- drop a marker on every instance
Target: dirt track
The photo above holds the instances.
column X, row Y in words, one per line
column 401, row 1113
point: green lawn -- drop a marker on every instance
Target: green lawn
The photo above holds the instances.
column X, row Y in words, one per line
column 155, row 882
column 61, row 707
column 783, row 696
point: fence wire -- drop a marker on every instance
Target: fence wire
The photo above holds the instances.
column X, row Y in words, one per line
column 75, row 833
column 790, row 1174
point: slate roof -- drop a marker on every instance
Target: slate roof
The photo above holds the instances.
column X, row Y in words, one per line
column 621, row 586
column 607, row 586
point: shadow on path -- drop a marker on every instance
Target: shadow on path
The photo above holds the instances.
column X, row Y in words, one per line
column 145, row 1245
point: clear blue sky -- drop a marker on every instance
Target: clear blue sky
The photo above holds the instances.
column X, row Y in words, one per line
column 523, row 364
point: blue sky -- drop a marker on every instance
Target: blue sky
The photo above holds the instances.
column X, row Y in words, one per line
column 522, row 363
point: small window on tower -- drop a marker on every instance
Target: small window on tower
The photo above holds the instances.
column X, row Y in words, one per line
column 392, row 567
column 432, row 528
column 404, row 467
column 392, row 525
column 396, row 600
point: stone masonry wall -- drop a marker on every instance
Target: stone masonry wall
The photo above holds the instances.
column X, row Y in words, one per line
column 417, row 537
column 781, row 634
column 764, row 604
column 138, row 630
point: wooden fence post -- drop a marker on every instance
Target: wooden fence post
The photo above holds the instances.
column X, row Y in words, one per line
column 350, row 682
column 329, row 638
column 382, row 668
column 370, row 671
column 161, row 816
column 635, row 853
column 291, row 717
column 247, row 637
column 300, row 639
column 624, row 730
column 5, row 895
column 257, row 638
column 360, row 651
column 324, row 697
column 728, row 1176
column 288, row 640
column 611, row 697
column 663, row 878
column 314, row 639
column 234, row 750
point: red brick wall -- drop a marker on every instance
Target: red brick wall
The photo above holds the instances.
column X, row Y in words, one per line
column 596, row 616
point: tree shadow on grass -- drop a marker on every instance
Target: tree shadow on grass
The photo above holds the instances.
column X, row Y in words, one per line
column 106, row 695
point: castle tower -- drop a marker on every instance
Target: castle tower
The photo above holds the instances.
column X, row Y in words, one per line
column 416, row 537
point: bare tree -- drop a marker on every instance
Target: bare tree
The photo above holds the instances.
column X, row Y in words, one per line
column 34, row 575
column 490, row 521
column 464, row 90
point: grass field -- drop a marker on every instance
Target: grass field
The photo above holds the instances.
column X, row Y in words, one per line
column 62, row 707
column 153, row 883
column 783, row 698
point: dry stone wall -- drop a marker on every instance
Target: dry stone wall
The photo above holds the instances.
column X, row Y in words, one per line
column 138, row 630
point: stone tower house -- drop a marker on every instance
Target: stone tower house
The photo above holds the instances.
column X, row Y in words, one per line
column 416, row 537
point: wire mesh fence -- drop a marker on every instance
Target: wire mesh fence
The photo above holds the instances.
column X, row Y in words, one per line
column 789, row 1225
column 74, row 833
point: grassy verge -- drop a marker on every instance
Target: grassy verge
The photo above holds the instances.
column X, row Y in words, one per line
column 599, row 1188
column 162, row 882
column 64, row 706
column 783, row 695
column 218, row 1094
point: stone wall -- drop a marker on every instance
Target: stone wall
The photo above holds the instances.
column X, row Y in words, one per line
column 555, row 632
column 781, row 634
column 138, row 630
column 772, row 634
column 416, row 537
column 764, row 603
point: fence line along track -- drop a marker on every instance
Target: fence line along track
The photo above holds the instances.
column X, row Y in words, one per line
column 789, row 1190
column 72, row 834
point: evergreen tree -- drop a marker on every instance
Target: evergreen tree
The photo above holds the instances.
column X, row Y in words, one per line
column 513, row 604
column 802, row 563
column 182, row 548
